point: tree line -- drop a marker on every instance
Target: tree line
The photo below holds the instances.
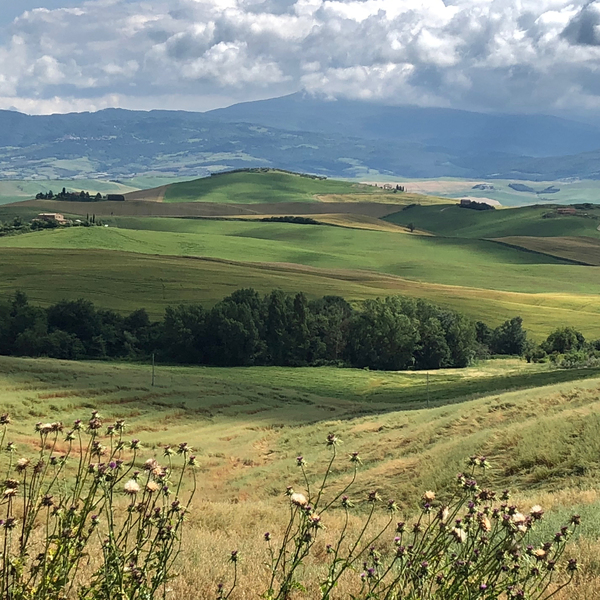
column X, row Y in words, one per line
column 248, row 328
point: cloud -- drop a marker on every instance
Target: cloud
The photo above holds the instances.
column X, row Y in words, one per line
column 508, row 55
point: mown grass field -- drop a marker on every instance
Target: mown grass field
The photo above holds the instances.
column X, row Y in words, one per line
column 248, row 425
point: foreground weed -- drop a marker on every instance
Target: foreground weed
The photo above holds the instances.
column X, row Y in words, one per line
column 472, row 545
column 122, row 524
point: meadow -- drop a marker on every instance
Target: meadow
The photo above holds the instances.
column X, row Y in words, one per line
column 248, row 425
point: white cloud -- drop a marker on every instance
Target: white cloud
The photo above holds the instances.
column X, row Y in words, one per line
column 505, row 55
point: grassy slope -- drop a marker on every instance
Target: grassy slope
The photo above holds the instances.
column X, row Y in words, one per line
column 277, row 186
column 459, row 222
column 261, row 418
column 126, row 281
column 248, row 187
column 472, row 263
column 582, row 249
column 247, row 426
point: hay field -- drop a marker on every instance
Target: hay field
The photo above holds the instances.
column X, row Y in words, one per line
column 248, row 425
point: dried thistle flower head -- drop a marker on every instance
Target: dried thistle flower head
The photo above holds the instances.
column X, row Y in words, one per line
column 536, row 512
column 429, row 496
column 150, row 464
column 22, row 464
column 298, row 499
column 460, row 535
column 132, row 487
column 152, row 487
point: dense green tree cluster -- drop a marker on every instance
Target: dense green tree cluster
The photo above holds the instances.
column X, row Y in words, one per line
column 248, row 328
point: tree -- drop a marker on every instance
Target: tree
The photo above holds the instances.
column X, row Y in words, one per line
column 509, row 338
column 563, row 340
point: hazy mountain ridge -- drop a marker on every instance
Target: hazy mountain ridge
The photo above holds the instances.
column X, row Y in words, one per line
column 337, row 139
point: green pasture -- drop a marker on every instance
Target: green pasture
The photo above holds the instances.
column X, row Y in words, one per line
column 246, row 425
column 452, row 221
column 467, row 262
column 260, row 187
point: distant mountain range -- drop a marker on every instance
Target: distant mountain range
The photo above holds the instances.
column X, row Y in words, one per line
column 334, row 138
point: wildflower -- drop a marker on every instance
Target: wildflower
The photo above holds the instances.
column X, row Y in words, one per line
column 505, row 496
column 10, row 492
column 572, row 565
column 443, row 514
column 428, row 496
column 540, row 554
column 346, row 502
column 300, row 462
column 193, row 461
column 460, row 535
column 132, row 487
column 234, row 556
column 267, row 537
column 183, row 448
column 152, row 487
column 110, row 430
column 401, row 527
column 168, row 451
column 392, row 506
column 329, row 549
column 355, row 458
column 47, row 501
column 39, row 466
column 11, row 484
column 484, row 523
column 134, row 444
column 520, row 522
column 150, row 464
column 120, row 425
column 10, row 523
column 95, row 422
column 10, row 447
column 22, row 464
column 575, row 520
column 332, row 440
column 374, row 497
column 4, row 419
column 315, row 522
column 536, row 512
column 289, row 490
column 298, row 499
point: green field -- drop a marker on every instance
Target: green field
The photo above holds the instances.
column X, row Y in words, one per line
column 471, row 263
column 451, row 221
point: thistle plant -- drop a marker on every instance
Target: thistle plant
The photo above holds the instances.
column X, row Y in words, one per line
column 80, row 496
column 471, row 545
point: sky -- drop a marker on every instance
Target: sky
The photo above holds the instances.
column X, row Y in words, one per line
column 533, row 56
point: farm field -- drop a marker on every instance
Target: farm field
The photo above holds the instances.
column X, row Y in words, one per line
column 470, row 263
column 582, row 249
column 247, row 426
column 570, row 192
column 451, row 221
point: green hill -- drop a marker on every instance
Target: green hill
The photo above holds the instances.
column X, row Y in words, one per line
column 539, row 221
column 259, row 186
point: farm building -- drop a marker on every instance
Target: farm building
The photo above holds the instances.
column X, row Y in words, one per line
column 52, row 217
